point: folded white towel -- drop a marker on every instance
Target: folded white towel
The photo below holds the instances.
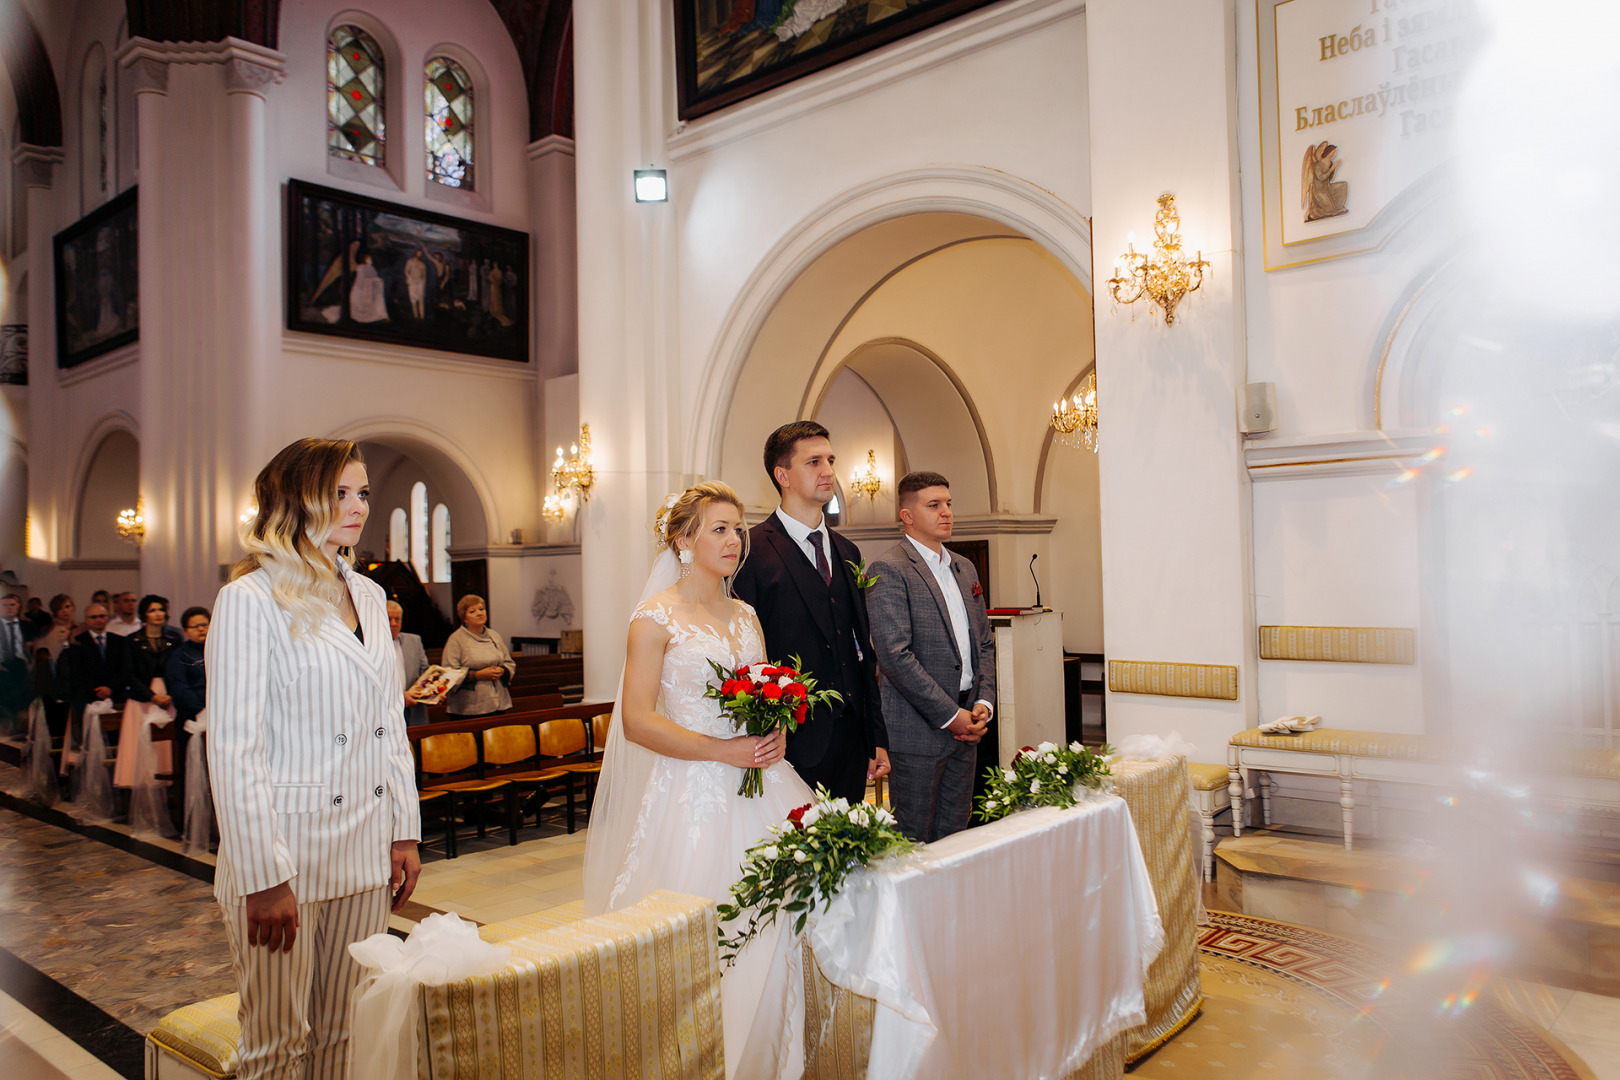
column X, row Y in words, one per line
column 1291, row 725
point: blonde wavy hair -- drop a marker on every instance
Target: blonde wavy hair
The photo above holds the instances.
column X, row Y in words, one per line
column 297, row 499
column 681, row 515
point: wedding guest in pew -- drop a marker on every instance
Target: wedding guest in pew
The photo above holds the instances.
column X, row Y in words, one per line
column 186, row 677
column 149, row 649
column 313, row 778
column 412, row 663
column 480, row 649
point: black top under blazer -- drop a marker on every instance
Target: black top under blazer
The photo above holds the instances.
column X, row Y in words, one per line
column 803, row 617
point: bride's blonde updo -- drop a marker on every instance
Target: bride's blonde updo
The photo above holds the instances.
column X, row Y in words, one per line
column 682, row 515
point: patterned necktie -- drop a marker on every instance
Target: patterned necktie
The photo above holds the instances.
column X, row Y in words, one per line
column 821, row 558
column 101, row 643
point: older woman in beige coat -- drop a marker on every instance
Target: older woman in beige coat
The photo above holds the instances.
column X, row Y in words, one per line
column 483, row 652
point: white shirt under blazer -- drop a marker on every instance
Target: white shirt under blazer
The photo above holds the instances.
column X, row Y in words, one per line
column 313, row 775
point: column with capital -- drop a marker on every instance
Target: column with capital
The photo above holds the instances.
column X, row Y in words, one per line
column 207, row 231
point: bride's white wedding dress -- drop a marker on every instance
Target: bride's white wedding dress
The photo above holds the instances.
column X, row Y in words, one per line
column 691, row 832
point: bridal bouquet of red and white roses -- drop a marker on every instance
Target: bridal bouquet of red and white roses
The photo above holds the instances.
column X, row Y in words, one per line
column 1044, row 775
column 804, row 860
column 760, row 698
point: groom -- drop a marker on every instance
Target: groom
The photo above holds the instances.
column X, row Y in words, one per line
column 798, row 578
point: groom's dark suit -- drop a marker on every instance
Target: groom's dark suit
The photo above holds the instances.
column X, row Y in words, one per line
column 825, row 627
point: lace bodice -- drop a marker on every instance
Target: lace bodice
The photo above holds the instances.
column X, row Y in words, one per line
column 687, row 673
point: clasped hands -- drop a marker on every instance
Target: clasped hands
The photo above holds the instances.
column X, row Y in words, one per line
column 969, row 726
column 754, row 751
column 272, row 914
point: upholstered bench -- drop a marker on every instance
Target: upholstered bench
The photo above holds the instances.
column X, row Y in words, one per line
column 637, row 991
column 1211, row 795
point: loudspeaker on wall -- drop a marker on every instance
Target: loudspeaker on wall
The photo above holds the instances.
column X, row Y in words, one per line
column 1259, row 408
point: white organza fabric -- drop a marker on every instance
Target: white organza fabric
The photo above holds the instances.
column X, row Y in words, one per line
column 1015, row 949
column 42, row 783
column 665, row 823
column 148, row 796
column 199, row 796
column 386, row 1010
column 94, row 798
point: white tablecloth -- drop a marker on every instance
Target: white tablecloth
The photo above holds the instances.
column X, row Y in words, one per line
column 1012, row 950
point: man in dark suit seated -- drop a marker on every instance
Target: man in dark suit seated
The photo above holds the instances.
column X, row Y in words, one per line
column 102, row 668
column 16, row 674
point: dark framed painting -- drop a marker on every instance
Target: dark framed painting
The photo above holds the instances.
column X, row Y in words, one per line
column 98, row 300
column 363, row 268
column 14, row 354
column 728, row 50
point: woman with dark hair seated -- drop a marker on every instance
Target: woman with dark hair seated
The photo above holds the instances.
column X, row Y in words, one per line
column 149, row 649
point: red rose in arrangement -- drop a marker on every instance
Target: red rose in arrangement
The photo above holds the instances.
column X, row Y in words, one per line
column 781, row 698
column 797, row 816
column 978, row 590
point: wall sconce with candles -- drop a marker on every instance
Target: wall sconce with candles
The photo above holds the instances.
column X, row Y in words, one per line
column 1075, row 420
column 866, row 481
column 553, row 509
column 575, row 473
column 1165, row 277
column 132, row 523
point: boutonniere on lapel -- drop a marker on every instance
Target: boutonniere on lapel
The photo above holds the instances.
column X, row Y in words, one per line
column 863, row 580
column 978, row 591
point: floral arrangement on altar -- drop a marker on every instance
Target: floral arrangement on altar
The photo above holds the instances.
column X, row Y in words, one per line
column 1044, row 775
column 764, row 697
column 805, row 860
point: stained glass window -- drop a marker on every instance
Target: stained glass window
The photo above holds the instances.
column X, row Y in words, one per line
column 449, row 123
column 355, row 88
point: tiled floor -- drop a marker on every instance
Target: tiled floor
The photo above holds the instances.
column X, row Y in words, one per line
column 33, row 1050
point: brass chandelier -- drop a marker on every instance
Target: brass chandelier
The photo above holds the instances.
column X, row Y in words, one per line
column 1075, row 419
column 574, row 474
column 1164, row 278
column 132, row 523
column 866, row 482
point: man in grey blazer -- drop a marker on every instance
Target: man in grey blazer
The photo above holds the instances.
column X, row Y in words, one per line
column 412, row 662
column 937, row 660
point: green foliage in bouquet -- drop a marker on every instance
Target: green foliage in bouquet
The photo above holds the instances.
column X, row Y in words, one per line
column 763, row 697
column 806, row 860
column 1044, row 775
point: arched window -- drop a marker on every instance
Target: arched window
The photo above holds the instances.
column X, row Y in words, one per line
column 94, row 137
column 419, row 530
column 449, row 123
column 355, row 88
column 399, row 534
column 441, row 543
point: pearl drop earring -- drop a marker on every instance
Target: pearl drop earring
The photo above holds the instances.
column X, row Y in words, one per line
column 687, row 558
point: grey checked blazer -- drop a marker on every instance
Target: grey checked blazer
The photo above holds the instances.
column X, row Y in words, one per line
column 916, row 650
column 313, row 777
column 416, row 662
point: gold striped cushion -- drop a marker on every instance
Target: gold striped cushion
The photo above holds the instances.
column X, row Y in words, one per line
column 1173, row 680
column 1207, row 777
column 1348, row 644
column 1380, row 744
column 498, row 933
column 205, row 1034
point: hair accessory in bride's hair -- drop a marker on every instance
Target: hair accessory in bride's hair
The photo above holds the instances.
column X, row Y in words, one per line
column 661, row 522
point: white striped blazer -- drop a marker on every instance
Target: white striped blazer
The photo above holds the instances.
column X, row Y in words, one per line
column 313, row 776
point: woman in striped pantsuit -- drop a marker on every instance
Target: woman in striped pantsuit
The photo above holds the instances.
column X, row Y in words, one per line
column 313, row 778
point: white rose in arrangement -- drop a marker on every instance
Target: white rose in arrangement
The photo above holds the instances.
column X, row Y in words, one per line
column 1063, row 770
column 1046, row 748
column 772, row 852
column 1049, row 758
column 857, row 816
column 782, row 680
column 759, row 680
column 990, row 804
column 884, row 816
column 811, row 816
column 799, row 856
column 1009, row 776
column 840, row 805
column 1076, row 747
column 1034, row 787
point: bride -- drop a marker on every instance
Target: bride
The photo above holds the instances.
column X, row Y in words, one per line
column 667, row 814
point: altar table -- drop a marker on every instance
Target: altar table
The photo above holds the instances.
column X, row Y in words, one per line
column 1018, row 949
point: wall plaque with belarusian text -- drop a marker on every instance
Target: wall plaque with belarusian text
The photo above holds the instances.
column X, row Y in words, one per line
column 1356, row 99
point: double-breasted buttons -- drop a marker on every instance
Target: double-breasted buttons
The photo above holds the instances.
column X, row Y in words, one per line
column 342, row 739
column 377, row 791
column 378, row 733
column 337, row 800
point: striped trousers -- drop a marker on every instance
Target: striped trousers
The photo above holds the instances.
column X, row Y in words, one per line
column 295, row 1005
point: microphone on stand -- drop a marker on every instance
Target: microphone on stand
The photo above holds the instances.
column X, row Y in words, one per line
column 1036, row 580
